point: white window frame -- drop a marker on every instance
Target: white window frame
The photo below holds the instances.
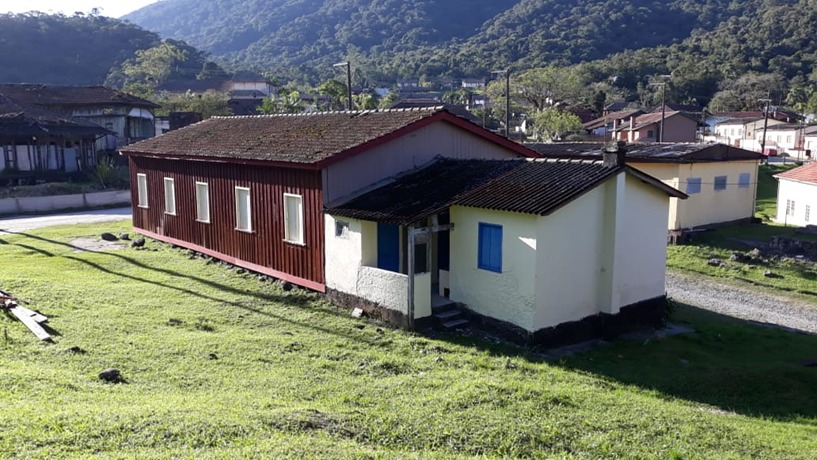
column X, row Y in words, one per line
column 170, row 196
column 790, row 207
column 299, row 238
column 237, row 192
column 203, row 213
column 142, row 190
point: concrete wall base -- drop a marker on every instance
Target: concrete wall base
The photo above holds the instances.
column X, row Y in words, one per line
column 645, row 314
column 375, row 311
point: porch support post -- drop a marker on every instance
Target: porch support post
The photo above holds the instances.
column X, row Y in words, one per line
column 411, row 255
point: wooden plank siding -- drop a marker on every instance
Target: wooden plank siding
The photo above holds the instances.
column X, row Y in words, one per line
column 264, row 249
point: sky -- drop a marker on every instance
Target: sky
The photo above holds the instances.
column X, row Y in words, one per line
column 113, row 8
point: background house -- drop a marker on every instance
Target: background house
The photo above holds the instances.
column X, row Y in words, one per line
column 678, row 127
column 548, row 250
column 126, row 118
column 251, row 190
column 721, row 180
column 797, row 196
column 38, row 144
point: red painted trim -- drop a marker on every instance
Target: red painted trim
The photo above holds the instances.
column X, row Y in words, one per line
column 315, row 286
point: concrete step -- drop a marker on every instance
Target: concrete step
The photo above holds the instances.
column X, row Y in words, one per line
column 455, row 324
column 448, row 314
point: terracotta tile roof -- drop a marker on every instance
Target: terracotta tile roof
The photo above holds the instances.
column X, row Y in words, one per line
column 308, row 138
column 647, row 119
column 50, row 96
column 806, row 173
column 530, row 186
column 613, row 116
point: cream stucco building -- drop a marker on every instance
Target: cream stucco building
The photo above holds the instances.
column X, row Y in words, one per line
column 721, row 180
column 547, row 250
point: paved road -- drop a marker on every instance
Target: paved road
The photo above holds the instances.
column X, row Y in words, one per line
column 19, row 224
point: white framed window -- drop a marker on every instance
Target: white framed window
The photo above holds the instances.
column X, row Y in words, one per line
column 170, row 196
column 142, row 188
column 243, row 209
column 293, row 218
column 203, row 202
column 789, row 207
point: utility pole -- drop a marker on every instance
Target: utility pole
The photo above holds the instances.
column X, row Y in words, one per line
column 348, row 81
column 663, row 85
column 768, row 101
column 507, row 73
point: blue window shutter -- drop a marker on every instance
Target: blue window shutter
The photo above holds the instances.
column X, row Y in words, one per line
column 489, row 255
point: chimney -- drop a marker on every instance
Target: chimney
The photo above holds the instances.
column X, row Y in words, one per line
column 613, row 154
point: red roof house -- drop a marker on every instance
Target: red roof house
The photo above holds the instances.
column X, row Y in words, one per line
column 252, row 190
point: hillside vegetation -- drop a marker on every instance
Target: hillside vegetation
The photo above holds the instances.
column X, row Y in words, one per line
column 432, row 38
column 66, row 50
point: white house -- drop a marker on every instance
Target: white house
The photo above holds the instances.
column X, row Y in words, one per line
column 785, row 138
column 797, row 196
column 548, row 251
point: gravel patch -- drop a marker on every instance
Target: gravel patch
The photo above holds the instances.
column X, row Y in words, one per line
column 745, row 303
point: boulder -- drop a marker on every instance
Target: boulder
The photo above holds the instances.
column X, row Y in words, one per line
column 108, row 236
column 111, row 375
column 138, row 242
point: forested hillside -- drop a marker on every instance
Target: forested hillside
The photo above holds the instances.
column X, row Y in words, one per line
column 66, row 50
column 399, row 36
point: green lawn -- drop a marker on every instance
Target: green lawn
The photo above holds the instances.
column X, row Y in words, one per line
column 222, row 365
column 720, row 243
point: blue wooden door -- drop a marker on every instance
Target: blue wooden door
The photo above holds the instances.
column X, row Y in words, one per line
column 388, row 247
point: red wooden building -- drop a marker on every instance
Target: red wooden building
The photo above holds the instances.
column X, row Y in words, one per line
column 252, row 190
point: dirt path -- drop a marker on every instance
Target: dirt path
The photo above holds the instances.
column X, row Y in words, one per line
column 743, row 302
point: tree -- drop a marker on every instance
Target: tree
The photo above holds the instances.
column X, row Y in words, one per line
column 365, row 101
column 746, row 92
column 553, row 123
column 153, row 66
column 283, row 102
column 208, row 104
column 337, row 93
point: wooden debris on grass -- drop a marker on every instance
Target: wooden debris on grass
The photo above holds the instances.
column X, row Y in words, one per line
column 30, row 318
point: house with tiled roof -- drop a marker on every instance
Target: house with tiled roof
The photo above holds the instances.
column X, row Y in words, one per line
column 126, row 118
column 37, row 144
column 787, row 139
column 605, row 125
column 251, row 190
column 797, row 196
column 544, row 251
column 721, row 180
column 650, row 127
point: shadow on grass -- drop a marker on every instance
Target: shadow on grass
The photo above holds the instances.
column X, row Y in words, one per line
column 727, row 366
column 289, row 300
column 730, row 364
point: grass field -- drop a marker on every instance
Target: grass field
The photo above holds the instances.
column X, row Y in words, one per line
column 219, row 364
column 792, row 276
